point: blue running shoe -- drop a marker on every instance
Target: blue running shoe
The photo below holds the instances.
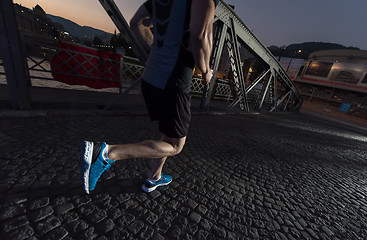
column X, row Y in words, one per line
column 93, row 164
column 150, row 186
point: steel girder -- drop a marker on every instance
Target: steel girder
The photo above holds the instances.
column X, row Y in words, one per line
column 13, row 55
column 276, row 86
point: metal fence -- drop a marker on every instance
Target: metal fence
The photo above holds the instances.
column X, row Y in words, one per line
column 40, row 68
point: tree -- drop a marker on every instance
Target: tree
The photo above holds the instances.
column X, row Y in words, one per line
column 97, row 41
column 87, row 43
column 113, row 40
column 117, row 40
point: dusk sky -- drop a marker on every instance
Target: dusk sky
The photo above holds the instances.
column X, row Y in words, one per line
column 278, row 23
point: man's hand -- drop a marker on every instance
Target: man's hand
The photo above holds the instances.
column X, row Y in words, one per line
column 207, row 77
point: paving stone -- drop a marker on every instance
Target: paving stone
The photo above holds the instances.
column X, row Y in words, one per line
column 201, row 234
column 135, row 226
column 154, row 194
column 305, row 235
column 298, row 226
column 327, row 231
column 139, row 211
column 57, row 233
column 288, row 223
column 14, row 223
column 284, row 229
column 253, row 233
column 184, row 211
column 12, row 211
column 281, row 236
column 24, row 232
column 97, row 216
column 80, row 201
column 202, row 210
column 295, row 233
column 62, row 209
column 150, row 218
column 158, row 236
column 147, row 233
column 219, row 232
column 302, row 222
column 190, row 229
column 77, row 226
column 70, row 217
column 39, row 203
column 125, row 219
column 218, row 185
column 173, row 204
column 130, row 204
column 47, row 224
column 173, row 232
column 195, row 217
column 40, row 214
column 88, row 233
column 192, row 204
column 105, row 226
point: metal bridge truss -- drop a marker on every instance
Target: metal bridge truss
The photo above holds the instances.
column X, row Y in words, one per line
column 268, row 88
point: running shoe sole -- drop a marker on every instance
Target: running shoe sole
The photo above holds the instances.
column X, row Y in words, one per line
column 87, row 154
column 151, row 189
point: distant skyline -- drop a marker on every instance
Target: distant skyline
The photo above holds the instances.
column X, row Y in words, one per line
column 278, row 23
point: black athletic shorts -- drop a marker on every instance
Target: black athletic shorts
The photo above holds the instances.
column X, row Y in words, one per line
column 170, row 108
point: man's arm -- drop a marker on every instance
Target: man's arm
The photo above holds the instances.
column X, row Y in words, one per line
column 201, row 27
column 140, row 24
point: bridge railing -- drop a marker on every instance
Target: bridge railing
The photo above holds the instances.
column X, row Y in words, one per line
column 77, row 65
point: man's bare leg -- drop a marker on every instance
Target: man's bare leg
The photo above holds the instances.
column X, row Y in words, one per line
column 157, row 168
column 159, row 150
column 159, row 162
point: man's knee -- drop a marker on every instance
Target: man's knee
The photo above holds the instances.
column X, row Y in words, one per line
column 177, row 144
column 177, row 149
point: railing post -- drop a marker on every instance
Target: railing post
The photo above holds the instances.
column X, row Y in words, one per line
column 215, row 59
column 13, row 57
column 121, row 73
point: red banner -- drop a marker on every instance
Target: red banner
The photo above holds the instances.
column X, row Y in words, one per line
column 80, row 65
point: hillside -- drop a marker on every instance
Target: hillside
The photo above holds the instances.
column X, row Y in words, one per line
column 80, row 32
column 303, row 50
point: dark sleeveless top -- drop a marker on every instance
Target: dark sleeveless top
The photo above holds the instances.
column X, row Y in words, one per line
column 170, row 62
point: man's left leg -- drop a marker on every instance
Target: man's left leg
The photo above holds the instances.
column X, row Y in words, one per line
column 157, row 178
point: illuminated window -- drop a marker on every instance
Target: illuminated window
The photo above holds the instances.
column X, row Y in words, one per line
column 319, row 69
column 347, row 76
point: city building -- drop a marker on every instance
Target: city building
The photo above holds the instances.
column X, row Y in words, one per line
column 335, row 76
column 35, row 24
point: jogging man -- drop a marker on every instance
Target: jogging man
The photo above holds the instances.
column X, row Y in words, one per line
column 182, row 37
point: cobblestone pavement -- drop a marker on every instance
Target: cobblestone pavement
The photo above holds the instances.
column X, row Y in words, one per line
column 266, row 176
